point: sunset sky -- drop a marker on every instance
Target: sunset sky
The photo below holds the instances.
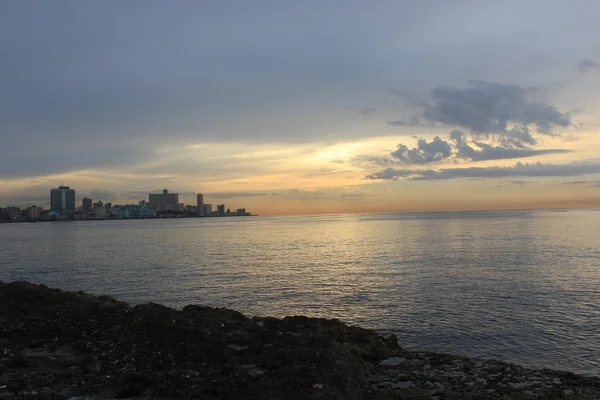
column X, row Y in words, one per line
column 303, row 107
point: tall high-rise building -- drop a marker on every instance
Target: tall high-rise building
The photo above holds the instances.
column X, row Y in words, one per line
column 208, row 210
column 86, row 203
column 164, row 201
column 221, row 209
column 62, row 199
column 200, row 205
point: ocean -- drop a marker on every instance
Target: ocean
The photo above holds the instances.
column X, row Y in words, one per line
column 519, row 286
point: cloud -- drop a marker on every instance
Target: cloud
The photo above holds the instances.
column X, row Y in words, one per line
column 517, row 182
column 328, row 171
column 491, row 108
column 499, row 122
column 586, row 183
column 410, row 99
column 367, row 160
column 425, row 152
column 408, row 121
column 101, row 195
column 367, row 111
column 230, row 195
column 486, row 151
column 587, row 66
column 518, row 170
column 498, row 111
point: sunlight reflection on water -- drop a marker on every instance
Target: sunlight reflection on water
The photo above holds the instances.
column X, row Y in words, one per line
column 522, row 286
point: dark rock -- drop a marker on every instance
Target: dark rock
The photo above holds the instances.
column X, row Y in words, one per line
column 70, row 344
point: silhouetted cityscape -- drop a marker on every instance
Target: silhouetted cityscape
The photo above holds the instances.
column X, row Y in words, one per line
column 63, row 207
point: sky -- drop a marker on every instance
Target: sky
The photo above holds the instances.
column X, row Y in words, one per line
column 303, row 107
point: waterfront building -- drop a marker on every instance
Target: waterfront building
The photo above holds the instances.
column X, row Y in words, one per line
column 181, row 207
column 99, row 212
column 221, row 209
column 164, row 201
column 86, row 203
column 191, row 209
column 200, row 204
column 34, row 212
column 207, row 210
column 99, row 204
column 12, row 211
column 62, row 199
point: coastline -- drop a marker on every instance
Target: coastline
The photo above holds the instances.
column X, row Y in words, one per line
column 56, row 344
column 123, row 219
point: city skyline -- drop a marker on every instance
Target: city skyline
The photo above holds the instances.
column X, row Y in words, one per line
column 401, row 107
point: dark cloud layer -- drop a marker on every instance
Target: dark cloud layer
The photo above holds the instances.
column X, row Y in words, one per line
column 518, row 170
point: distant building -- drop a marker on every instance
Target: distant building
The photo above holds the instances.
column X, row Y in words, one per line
column 34, row 212
column 98, row 204
column 221, row 209
column 181, row 207
column 200, row 204
column 100, row 212
column 86, row 203
column 13, row 211
column 207, row 210
column 164, row 202
column 62, row 199
column 192, row 209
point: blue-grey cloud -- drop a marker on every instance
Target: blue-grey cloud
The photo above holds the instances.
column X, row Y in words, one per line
column 407, row 121
column 498, row 119
column 518, row 170
column 425, row 152
column 490, row 108
column 587, row 66
column 485, row 151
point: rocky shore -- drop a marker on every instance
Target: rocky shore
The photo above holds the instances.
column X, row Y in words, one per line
column 71, row 345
